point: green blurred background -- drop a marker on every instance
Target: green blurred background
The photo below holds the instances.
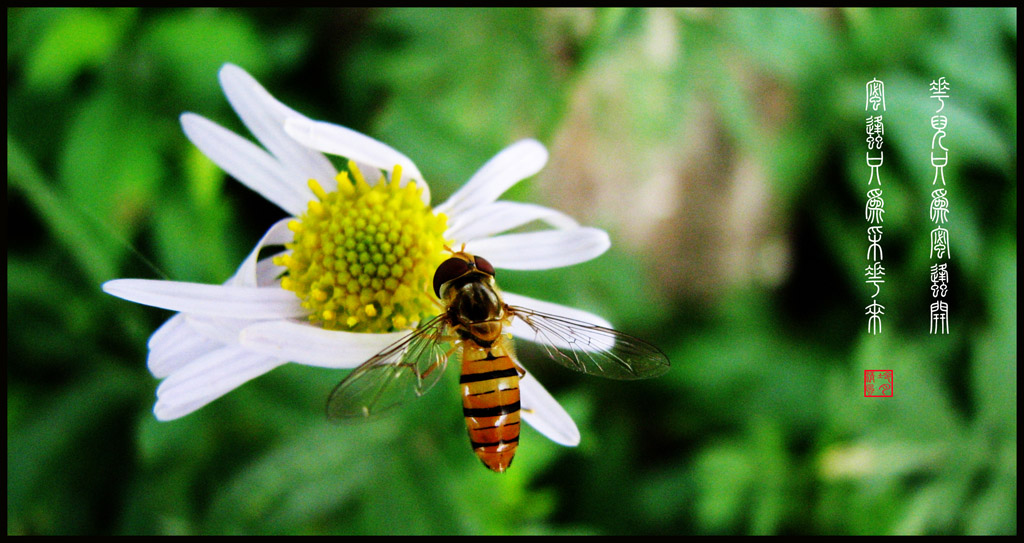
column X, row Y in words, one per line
column 722, row 150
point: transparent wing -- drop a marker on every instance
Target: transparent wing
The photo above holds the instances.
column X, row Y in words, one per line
column 593, row 349
column 397, row 375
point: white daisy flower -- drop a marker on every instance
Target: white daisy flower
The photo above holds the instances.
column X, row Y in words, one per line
column 360, row 256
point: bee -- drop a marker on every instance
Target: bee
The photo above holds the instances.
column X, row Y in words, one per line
column 474, row 320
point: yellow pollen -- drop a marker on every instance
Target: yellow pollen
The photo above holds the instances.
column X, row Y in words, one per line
column 318, row 191
column 363, row 257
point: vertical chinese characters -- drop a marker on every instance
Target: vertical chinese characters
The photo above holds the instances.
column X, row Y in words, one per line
column 875, row 207
column 938, row 321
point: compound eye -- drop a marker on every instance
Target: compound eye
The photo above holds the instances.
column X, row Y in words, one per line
column 450, row 269
column 483, row 265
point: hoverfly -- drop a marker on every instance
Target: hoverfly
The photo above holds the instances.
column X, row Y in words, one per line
column 474, row 319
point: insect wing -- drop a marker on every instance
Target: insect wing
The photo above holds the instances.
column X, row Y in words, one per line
column 397, row 375
column 593, row 349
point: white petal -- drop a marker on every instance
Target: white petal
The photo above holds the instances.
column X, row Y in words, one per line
column 267, row 273
column 541, row 250
column 212, row 300
column 342, row 141
column 249, row 164
column 181, row 340
column 307, row 344
column 265, row 116
column 278, row 234
column 494, row 218
column 174, row 345
column 222, row 330
column 513, row 164
column 172, row 332
column 207, row 379
column 545, row 414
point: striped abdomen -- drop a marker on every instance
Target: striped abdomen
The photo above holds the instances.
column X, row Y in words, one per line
column 490, row 403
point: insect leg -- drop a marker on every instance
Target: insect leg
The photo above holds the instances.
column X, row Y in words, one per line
column 519, row 369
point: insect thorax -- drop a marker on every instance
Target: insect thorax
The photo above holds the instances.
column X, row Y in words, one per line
column 475, row 307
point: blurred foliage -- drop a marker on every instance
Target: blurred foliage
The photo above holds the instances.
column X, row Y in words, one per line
column 761, row 426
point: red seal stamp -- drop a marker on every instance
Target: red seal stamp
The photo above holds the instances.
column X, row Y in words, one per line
column 878, row 383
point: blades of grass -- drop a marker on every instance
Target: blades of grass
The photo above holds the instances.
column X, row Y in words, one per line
column 91, row 253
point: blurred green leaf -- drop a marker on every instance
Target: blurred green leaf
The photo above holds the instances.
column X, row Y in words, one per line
column 792, row 44
column 183, row 232
column 47, row 454
column 454, row 99
column 192, row 45
column 994, row 373
column 72, row 41
column 726, row 474
column 109, row 165
column 93, row 252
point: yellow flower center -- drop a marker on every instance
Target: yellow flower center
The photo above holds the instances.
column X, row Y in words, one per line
column 363, row 257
